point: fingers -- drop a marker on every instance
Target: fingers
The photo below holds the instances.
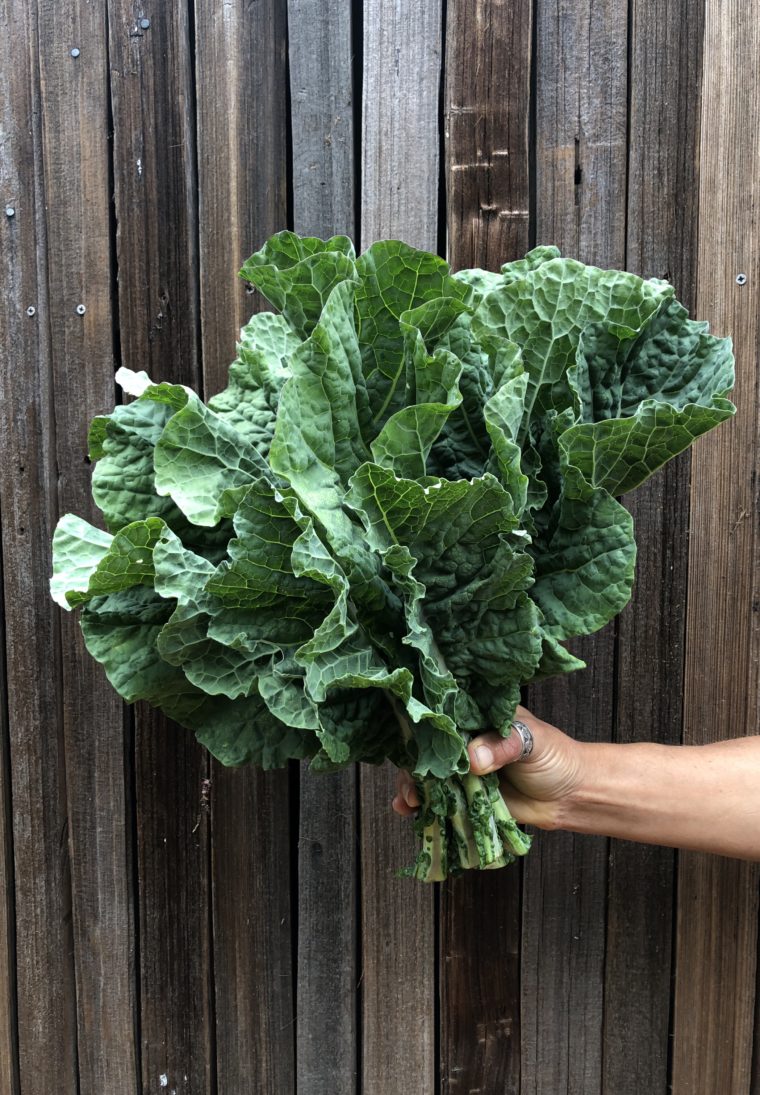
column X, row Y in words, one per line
column 407, row 800
column 489, row 752
column 401, row 807
column 526, row 810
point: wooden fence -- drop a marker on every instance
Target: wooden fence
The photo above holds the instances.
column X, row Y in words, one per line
column 157, row 935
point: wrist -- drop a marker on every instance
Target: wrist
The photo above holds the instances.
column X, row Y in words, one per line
column 574, row 811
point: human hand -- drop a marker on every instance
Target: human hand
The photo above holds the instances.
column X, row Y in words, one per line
column 536, row 788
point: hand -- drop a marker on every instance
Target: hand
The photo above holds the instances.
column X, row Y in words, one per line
column 535, row 788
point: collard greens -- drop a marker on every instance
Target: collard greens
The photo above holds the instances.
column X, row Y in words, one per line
column 394, row 516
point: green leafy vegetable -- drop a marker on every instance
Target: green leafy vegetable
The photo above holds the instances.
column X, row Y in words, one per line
column 394, row 516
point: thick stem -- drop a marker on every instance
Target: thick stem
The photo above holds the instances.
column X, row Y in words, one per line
column 462, row 847
column 432, row 862
column 480, row 813
column 463, row 821
column 514, row 838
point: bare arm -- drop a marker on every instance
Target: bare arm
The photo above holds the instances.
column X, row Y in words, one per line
column 703, row 797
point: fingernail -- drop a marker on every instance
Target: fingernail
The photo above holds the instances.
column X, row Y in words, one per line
column 483, row 756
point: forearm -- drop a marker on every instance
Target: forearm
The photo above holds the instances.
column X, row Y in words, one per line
column 704, row 797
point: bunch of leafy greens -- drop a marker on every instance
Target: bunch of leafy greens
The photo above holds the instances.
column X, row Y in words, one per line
column 394, row 516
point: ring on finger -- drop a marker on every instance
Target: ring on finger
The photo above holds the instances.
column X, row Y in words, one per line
column 525, row 736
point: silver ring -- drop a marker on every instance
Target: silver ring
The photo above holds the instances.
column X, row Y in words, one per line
column 525, row 736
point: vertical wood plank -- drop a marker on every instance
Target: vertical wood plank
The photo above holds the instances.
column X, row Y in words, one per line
column 155, row 201
column 399, row 199
column 18, row 274
column 666, row 53
column 581, row 71
column 488, row 72
column 327, row 1037
column 322, row 126
column 718, row 898
column 45, row 971
column 76, row 154
column 320, row 38
column 241, row 87
column 9, row 1078
column 400, row 123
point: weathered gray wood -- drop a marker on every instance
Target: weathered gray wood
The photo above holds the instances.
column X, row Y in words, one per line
column 488, row 72
column 327, row 1036
column 18, row 272
column 176, row 1020
column 400, row 124
column 322, row 115
column 44, row 952
column 321, row 111
column 580, row 206
column 241, row 88
column 75, row 150
column 242, row 178
column 399, row 199
column 9, row 1078
column 661, row 242
column 397, row 949
column 252, row 932
column 564, row 898
column 717, row 898
column 155, row 206
column 486, row 104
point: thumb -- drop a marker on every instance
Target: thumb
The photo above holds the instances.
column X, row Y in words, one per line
column 488, row 752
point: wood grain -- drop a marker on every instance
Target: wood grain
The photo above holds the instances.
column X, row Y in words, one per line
column 661, row 239
column 76, row 154
column 717, row 898
column 253, row 972
column 156, row 214
column 487, row 91
column 45, row 987
column 9, row 1078
column 486, row 106
column 328, row 1037
column 18, row 244
column 400, row 123
column 241, row 86
column 398, row 949
column 322, row 126
column 399, row 199
column 564, row 900
column 581, row 70
column 322, row 115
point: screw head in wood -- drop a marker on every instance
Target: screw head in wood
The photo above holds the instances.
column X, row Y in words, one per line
column 31, row 310
column 75, row 52
column 144, row 24
column 741, row 279
column 10, row 211
column 81, row 309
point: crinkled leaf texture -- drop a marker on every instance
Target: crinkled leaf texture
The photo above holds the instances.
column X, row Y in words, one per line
column 399, row 510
